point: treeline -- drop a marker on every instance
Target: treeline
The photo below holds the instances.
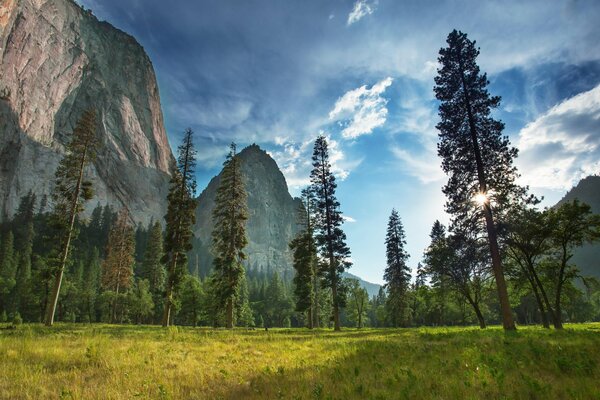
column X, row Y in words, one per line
column 500, row 259
column 96, row 288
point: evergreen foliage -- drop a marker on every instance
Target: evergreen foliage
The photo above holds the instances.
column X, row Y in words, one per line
column 397, row 273
column 180, row 220
column 330, row 238
column 70, row 193
column 475, row 155
column 117, row 269
column 229, row 236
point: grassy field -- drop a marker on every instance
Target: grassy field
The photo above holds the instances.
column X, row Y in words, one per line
column 77, row 361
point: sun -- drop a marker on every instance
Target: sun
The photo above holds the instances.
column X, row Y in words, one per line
column 481, row 199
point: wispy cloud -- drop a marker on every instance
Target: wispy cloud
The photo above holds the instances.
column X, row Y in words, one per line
column 361, row 110
column 348, row 219
column 425, row 166
column 563, row 145
column 361, row 9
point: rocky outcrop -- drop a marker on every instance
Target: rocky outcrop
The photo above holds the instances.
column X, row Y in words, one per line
column 56, row 60
column 272, row 215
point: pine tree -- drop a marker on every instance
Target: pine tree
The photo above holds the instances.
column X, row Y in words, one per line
column 478, row 159
column 8, row 269
column 330, row 238
column 70, row 194
column 397, row 273
column 305, row 260
column 91, row 283
column 229, row 235
column 180, row 220
column 117, row 269
column 152, row 269
column 24, row 236
column 244, row 316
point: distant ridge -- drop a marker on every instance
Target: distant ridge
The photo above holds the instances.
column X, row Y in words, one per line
column 587, row 257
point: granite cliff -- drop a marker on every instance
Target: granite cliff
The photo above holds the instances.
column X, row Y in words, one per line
column 56, row 60
column 272, row 215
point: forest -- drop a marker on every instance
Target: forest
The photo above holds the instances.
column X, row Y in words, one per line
column 502, row 259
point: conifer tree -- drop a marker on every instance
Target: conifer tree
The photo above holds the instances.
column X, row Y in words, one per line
column 70, row 194
column 117, row 270
column 397, row 273
column 152, row 268
column 475, row 155
column 91, row 283
column 229, row 235
column 180, row 220
column 330, row 238
column 305, row 260
column 8, row 269
column 24, row 235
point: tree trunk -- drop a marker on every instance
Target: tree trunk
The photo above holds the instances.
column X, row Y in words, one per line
column 230, row 313
column 310, row 318
column 507, row 318
column 360, row 319
column 336, row 307
column 540, row 304
column 549, row 308
column 53, row 301
column 478, row 313
column 114, row 306
column 169, row 294
column 316, row 322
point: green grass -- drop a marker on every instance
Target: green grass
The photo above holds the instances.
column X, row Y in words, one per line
column 77, row 361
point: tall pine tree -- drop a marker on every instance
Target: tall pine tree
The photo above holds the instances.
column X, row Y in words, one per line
column 70, row 194
column 397, row 273
column 152, row 269
column 117, row 270
column 475, row 155
column 229, row 235
column 330, row 238
column 305, row 261
column 180, row 220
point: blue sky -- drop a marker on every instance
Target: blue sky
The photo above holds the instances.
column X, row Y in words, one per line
column 280, row 72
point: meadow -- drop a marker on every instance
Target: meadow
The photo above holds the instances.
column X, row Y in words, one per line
column 78, row 361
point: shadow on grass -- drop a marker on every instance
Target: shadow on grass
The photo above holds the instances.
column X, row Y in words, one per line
column 469, row 364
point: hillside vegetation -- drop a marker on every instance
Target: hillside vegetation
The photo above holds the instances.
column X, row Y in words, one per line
column 74, row 361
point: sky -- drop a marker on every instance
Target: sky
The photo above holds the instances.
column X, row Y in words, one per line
column 280, row 72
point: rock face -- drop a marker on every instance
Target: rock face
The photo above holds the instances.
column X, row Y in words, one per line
column 56, row 60
column 272, row 215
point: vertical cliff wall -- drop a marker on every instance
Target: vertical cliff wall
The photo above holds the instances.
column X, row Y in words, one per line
column 57, row 60
column 272, row 211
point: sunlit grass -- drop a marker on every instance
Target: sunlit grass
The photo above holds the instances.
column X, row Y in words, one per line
column 123, row 362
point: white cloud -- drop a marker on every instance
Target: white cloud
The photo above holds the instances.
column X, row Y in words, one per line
column 563, row 145
column 361, row 9
column 424, row 166
column 361, row 109
column 295, row 162
column 416, row 123
column 348, row 219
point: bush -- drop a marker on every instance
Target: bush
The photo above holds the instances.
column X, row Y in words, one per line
column 3, row 317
